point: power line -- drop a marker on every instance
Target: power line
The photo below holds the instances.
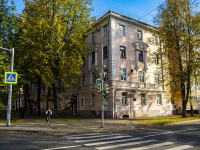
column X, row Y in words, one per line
column 152, row 10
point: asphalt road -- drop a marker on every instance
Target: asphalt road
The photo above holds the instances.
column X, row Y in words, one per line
column 164, row 138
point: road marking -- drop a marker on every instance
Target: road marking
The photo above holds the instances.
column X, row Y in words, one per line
column 125, row 144
column 116, row 141
column 106, row 138
column 180, row 147
column 95, row 136
column 170, row 132
column 156, row 130
column 151, row 146
column 76, row 135
column 66, row 147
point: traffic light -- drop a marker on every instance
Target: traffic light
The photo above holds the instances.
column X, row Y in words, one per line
column 99, row 89
column 106, row 88
column 98, row 85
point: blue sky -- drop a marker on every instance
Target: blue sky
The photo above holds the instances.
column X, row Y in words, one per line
column 137, row 7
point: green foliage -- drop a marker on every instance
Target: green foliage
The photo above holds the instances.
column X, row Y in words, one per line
column 178, row 29
column 8, row 25
column 52, row 38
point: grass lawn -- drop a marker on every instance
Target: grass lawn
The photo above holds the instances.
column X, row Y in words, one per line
column 156, row 120
column 171, row 119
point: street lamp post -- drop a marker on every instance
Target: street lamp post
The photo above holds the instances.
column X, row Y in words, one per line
column 10, row 88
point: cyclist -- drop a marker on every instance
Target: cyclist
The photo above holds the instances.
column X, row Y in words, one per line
column 48, row 114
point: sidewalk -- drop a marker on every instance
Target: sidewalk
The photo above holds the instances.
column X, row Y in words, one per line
column 77, row 126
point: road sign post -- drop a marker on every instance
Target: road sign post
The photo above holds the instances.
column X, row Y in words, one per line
column 10, row 88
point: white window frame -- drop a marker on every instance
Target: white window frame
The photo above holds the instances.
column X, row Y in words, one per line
column 93, row 37
column 122, row 30
column 143, row 99
column 92, row 99
column 159, row 99
column 156, row 59
column 123, row 74
column 141, row 76
column 106, row 75
column 83, row 79
column 139, row 35
column 82, row 100
column 123, row 52
column 105, row 52
column 93, row 57
column 93, row 77
column 124, row 98
column 140, row 56
column 105, row 31
column 157, row 78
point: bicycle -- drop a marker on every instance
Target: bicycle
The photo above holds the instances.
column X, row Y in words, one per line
column 48, row 120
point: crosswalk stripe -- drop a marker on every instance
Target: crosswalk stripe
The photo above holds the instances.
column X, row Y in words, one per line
column 106, row 138
column 116, row 141
column 124, row 144
column 95, row 136
column 66, row 147
column 151, row 146
column 77, row 135
column 180, row 147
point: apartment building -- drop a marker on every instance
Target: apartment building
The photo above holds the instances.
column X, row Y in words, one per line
column 126, row 50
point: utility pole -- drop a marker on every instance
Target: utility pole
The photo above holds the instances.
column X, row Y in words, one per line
column 10, row 88
column 102, row 92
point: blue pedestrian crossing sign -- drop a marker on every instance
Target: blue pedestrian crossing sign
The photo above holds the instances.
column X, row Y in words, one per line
column 11, row 77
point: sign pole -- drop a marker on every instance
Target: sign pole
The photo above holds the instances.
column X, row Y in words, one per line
column 10, row 91
column 102, row 93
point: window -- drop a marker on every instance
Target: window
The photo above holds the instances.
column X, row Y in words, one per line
column 93, row 37
column 143, row 99
column 93, row 57
column 83, row 61
column 157, row 78
column 141, row 56
column 93, row 77
column 159, row 99
column 59, row 104
column 155, row 40
column 83, row 80
column 157, row 59
column 123, row 74
column 82, row 100
column 122, row 30
column 141, row 76
column 106, row 75
column 105, row 31
column 124, row 98
column 122, row 52
column 92, row 99
column 139, row 35
column 105, row 52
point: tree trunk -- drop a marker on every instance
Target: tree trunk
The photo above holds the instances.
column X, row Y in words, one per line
column 184, row 109
column 25, row 97
column 191, row 106
column 55, row 98
column 48, row 95
column 29, row 103
column 38, row 95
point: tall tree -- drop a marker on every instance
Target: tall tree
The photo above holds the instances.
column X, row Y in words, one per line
column 53, row 39
column 8, row 25
column 178, row 28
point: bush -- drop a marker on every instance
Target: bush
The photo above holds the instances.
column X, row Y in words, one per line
column 2, row 106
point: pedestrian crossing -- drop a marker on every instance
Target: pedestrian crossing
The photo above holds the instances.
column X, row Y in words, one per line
column 122, row 141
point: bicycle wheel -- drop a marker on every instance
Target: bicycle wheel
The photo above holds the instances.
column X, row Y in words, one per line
column 48, row 120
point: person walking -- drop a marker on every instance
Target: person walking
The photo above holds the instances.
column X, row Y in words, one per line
column 48, row 114
column 22, row 112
